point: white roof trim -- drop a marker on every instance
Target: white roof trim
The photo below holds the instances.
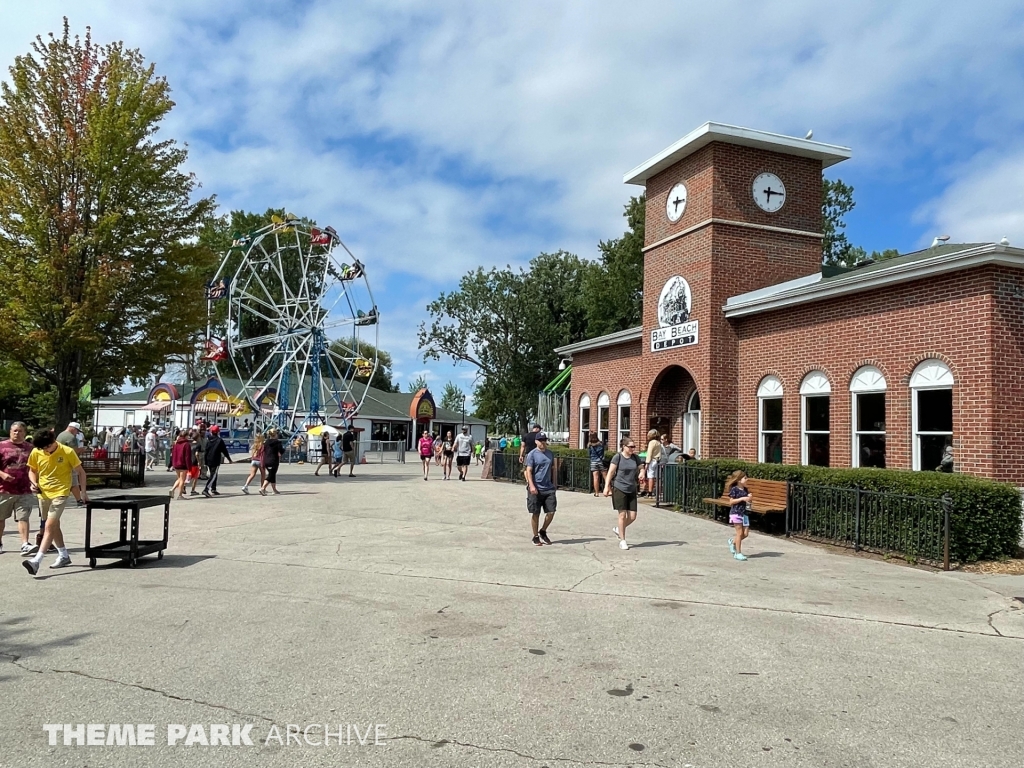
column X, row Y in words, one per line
column 815, row 289
column 829, row 154
column 619, row 337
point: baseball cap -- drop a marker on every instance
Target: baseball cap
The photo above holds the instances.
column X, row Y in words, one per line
column 464, row 429
column 215, row 429
column 542, row 436
column 75, row 424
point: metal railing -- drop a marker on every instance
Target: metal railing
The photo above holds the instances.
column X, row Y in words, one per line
column 916, row 527
column 386, row 449
column 685, row 485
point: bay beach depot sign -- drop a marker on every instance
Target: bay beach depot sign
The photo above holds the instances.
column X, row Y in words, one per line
column 677, row 329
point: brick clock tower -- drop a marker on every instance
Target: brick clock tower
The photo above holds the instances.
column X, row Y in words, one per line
column 729, row 210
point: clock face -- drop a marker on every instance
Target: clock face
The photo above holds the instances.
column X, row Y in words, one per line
column 676, row 203
column 769, row 192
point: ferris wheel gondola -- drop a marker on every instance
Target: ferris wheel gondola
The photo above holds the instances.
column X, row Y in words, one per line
column 297, row 323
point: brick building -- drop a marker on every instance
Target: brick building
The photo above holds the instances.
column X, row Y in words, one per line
column 750, row 348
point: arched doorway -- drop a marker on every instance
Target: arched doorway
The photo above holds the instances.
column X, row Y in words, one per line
column 674, row 407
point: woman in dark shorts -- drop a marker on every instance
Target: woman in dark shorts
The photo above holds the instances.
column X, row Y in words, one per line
column 447, row 453
column 596, row 451
column 272, row 450
column 621, row 485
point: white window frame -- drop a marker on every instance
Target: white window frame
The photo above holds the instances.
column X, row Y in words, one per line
column 930, row 374
column 603, row 405
column 815, row 384
column 866, row 381
column 770, row 388
column 584, row 434
column 691, row 422
column 624, row 400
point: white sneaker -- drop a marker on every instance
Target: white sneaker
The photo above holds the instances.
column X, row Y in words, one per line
column 245, row 489
column 29, row 549
column 623, row 544
column 62, row 562
column 616, row 532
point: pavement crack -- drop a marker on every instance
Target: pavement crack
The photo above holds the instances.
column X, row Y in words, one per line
column 992, row 616
column 517, row 753
column 137, row 686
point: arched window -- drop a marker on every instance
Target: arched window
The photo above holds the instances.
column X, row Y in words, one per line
column 603, row 401
column 867, row 392
column 584, row 420
column 625, row 402
column 691, row 425
column 815, row 396
column 769, row 418
column 931, row 387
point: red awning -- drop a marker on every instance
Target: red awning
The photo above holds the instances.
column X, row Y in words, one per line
column 211, row 406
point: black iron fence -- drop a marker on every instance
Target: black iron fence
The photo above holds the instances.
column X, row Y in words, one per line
column 913, row 527
column 916, row 527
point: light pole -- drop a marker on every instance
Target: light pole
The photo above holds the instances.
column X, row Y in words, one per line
column 463, row 410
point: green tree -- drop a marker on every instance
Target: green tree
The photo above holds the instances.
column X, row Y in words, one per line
column 382, row 375
column 102, row 273
column 420, row 382
column 613, row 288
column 836, row 249
column 452, row 397
column 507, row 323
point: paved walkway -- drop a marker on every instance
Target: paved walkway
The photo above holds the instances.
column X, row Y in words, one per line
column 423, row 607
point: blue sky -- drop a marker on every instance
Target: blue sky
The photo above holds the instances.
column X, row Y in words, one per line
column 437, row 136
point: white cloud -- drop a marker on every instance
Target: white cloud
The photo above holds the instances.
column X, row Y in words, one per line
column 983, row 204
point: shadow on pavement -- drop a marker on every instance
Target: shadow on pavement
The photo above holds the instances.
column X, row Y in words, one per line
column 13, row 645
column 577, row 541
column 657, row 544
column 765, row 554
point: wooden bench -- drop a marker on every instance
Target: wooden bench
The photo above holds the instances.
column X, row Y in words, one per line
column 770, row 496
column 103, row 469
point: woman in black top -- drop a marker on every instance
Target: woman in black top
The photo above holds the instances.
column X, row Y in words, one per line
column 272, row 451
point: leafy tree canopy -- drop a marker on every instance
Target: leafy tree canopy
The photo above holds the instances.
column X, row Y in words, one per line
column 103, row 273
column 613, row 288
column 452, row 397
column 836, row 249
column 420, row 382
column 507, row 323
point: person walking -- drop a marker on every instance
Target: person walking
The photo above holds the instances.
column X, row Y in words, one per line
column 53, row 470
column 338, row 455
column 447, row 452
column 272, row 452
column 621, row 485
column 739, row 497
column 151, row 448
column 528, row 442
column 216, row 453
column 72, row 437
column 255, row 463
column 325, row 453
column 195, row 471
column 463, row 452
column 478, row 450
column 438, row 448
column 182, row 461
column 15, row 486
column 348, row 448
column 202, row 438
column 653, row 461
column 595, row 449
column 426, row 446
column 541, row 483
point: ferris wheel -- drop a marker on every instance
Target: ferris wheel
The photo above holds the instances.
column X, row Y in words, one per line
column 293, row 328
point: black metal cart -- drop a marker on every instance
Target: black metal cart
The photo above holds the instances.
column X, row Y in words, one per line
column 128, row 546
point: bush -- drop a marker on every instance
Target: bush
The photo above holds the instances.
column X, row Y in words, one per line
column 985, row 523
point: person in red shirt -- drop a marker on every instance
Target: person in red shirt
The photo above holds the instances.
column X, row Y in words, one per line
column 426, row 452
column 15, row 488
column 182, row 460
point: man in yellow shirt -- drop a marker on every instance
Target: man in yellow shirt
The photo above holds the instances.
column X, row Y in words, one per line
column 53, row 469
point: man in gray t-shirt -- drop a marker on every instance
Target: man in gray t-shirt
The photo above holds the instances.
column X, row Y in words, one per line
column 463, row 452
column 539, row 470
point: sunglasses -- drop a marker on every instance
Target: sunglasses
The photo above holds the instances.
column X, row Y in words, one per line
column 631, row 446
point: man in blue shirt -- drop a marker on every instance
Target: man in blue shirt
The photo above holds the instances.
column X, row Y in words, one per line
column 539, row 470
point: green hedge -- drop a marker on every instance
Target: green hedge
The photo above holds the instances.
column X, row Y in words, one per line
column 986, row 519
